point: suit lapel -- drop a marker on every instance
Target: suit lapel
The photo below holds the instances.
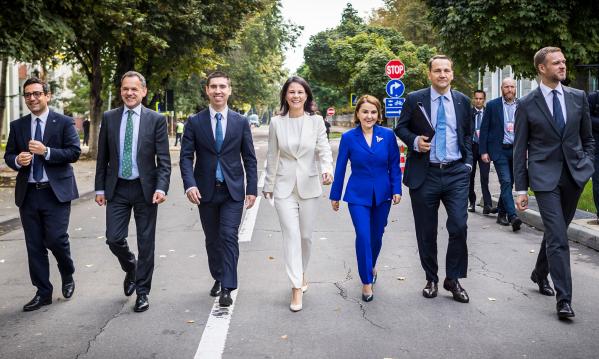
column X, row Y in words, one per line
column 304, row 134
column 143, row 127
column 26, row 134
column 116, row 131
column 426, row 102
column 206, row 128
column 49, row 129
column 569, row 102
column 542, row 105
column 231, row 117
column 361, row 139
column 459, row 115
column 376, row 137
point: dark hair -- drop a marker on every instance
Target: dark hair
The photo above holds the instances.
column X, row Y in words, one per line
column 216, row 74
column 307, row 105
column 35, row 80
column 141, row 77
column 438, row 57
column 481, row 91
column 542, row 54
column 367, row 99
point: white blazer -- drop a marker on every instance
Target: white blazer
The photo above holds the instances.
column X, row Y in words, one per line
column 287, row 168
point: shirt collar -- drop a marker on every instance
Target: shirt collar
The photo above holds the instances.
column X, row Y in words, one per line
column 508, row 104
column 224, row 112
column 136, row 109
column 547, row 90
column 43, row 117
column 435, row 95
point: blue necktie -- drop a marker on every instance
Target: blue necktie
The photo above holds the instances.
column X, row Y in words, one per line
column 440, row 131
column 218, row 137
column 38, row 167
column 558, row 115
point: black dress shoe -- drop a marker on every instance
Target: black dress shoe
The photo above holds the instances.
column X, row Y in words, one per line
column 459, row 293
column 129, row 283
column 225, row 299
column 564, row 310
column 68, row 288
column 141, row 304
column 544, row 287
column 502, row 219
column 489, row 210
column 215, row 291
column 471, row 208
column 36, row 303
column 430, row 290
column 367, row 297
column 516, row 222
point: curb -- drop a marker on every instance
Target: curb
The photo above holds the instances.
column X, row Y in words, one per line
column 576, row 233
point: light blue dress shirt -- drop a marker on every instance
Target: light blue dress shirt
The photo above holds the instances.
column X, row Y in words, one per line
column 548, row 95
column 136, row 118
column 452, row 151
column 509, row 120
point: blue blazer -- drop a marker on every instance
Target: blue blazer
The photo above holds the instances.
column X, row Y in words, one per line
column 62, row 138
column 238, row 145
column 374, row 169
column 491, row 129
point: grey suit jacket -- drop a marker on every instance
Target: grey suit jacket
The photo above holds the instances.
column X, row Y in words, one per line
column 536, row 133
column 153, row 157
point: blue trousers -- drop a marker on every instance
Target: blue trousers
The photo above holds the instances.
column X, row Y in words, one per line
column 369, row 223
column 504, row 165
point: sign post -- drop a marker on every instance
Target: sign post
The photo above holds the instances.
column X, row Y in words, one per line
column 395, row 88
column 330, row 111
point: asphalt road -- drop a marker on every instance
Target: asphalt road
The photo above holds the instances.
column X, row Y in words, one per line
column 506, row 317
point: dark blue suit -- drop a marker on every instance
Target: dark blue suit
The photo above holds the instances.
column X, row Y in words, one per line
column 491, row 142
column 45, row 212
column 375, row 178
column 221, row 206
column 430, row 185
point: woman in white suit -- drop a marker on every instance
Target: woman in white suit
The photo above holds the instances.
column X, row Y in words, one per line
column 292, row 177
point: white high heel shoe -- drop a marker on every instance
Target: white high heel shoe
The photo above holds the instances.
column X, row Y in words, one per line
column 296, row 307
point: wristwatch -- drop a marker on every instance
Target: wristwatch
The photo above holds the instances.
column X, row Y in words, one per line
column 46, row 152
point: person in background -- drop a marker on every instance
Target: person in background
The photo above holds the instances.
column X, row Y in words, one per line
column 292, row 177
column 179, row 132
column 374, row 183
column 86, row 124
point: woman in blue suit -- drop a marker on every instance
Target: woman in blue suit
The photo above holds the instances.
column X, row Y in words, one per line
column 375, row 181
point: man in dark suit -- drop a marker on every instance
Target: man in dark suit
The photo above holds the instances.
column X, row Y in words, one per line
column 497, row 145
column 133, row 173
column 219, row 138
column 594, row 111
column 478, row 102
column 41, row 147
column 553, row 129
column 86, row 124
column 438, row 170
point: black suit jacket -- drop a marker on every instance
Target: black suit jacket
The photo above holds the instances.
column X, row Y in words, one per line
column 536, row 133
column 594, row 110
column 61, row 137
column 417, row 163
column 153, row 157
column 238, row 145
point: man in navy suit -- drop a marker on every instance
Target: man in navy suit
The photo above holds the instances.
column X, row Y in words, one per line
column 41, row 147
column 438, row 170
column 594, row 112
column 133, row 172
column 219, row 138
column 497, row 145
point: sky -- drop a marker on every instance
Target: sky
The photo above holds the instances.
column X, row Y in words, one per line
column 316, row 16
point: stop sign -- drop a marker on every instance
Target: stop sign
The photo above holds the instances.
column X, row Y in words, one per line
column 330, row 111
column 395, row 69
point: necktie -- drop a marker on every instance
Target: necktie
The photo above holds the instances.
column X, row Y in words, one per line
column 477, row 120
column 218, row 137
column 558, row 115
column 440, row 131
column 127, row 165
column 38, row 167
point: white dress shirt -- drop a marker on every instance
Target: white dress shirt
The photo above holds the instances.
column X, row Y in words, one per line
column 223, row 121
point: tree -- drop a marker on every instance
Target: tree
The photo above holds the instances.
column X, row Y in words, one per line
column 497, row 33
column 410, row 18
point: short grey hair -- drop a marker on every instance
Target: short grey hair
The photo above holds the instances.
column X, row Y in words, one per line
column 135, row 74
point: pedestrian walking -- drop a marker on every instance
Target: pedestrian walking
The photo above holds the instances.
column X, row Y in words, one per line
column 133, row 173
column 179, row 132
column 292, row 177
column 435, row 124
column 374, row 183
column 219, row 139
column 554, row 152
column 497, row 145
column 86, row 124
column 41, row 147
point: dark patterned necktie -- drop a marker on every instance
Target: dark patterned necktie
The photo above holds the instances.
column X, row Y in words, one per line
column 558, row 115
column 38, row 166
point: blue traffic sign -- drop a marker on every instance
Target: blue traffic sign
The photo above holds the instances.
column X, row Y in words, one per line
column 395, row 88
column 394, row 102
column 392, row 112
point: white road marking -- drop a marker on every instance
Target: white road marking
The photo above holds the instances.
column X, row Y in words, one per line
column 215, row 333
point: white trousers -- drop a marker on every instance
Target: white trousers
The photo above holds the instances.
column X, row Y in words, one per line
column 296, row 216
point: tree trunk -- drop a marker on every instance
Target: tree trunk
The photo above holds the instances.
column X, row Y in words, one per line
column 3, row 75
column 95, row 100
column 125, row 62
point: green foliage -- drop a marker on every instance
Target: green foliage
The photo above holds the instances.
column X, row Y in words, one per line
column 496, row 33
column 410, row 18
column 79, row 103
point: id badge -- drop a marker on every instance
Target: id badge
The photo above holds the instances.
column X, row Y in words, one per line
column 477, row 133
column 510, row 127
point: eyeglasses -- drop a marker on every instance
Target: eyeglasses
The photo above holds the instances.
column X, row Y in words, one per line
column 35, row 94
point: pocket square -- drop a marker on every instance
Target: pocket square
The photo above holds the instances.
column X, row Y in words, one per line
column 378, row 139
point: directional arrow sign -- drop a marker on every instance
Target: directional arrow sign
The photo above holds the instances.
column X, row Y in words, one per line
column 392, row 112
column 394, row 102
column 395, row 88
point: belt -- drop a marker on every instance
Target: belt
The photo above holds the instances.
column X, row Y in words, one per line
column 507, row 146
column 442, row 165
column 219, row 184
column 40, row 185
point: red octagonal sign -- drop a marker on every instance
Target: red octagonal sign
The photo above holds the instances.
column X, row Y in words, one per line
column 395, row 69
